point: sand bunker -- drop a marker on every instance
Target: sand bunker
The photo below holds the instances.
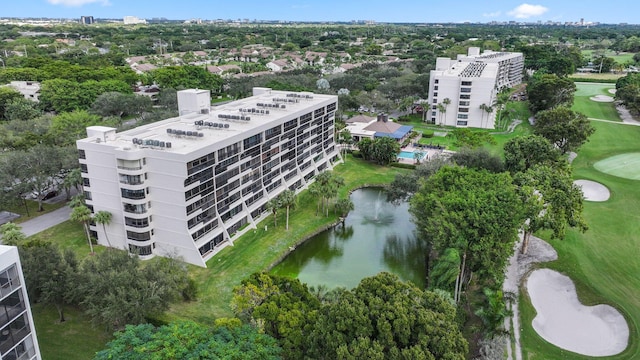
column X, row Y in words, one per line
column 563, row 321
column 601, row 98
column 592, row 190
column 612, row 91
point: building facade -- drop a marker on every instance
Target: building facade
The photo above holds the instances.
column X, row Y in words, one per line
column 471, row 84
column 86, row 20
column 188, row 186
column 17, row 331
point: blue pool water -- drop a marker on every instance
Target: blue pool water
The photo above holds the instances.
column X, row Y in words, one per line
column 409, row 155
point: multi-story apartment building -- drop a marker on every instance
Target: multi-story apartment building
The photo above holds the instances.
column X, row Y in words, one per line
column 17, row 332
column 188, row 186
column 471, row 83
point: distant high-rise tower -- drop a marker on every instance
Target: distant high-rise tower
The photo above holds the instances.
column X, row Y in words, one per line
column 86, row 20
column 17, row 332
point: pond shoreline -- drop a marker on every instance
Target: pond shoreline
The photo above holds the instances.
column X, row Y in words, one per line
column 317, row 231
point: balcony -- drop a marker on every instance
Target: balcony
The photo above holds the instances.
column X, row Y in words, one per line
column 135, row 209
column 133, row 194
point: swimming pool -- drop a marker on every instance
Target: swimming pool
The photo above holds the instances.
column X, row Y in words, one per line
column 410, row 155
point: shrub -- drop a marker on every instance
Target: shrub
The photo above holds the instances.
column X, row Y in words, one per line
column 402, row 165
column 427, row 134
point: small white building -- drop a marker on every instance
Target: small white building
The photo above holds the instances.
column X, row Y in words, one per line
column 17, row 332
column 469, row 82
column 190, row 185
column 132, row 20
column 29, row 89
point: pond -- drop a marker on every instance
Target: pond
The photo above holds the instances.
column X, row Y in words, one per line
column 377, row 236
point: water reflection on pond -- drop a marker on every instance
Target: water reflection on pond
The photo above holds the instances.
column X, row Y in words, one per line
column 377, row 236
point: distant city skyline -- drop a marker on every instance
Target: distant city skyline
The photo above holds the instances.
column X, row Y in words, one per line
column 399, row 11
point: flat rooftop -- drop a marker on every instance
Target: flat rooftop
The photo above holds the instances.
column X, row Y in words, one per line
column 192, row 131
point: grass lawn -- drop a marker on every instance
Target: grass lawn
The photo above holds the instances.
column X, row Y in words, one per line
column 621, row 58
column 259, row 249
column 603, row 262
column 75, row 338
column 603, row 76
column 69, row 234
column 594, row 109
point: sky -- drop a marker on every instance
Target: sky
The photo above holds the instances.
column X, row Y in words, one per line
column 413, row 11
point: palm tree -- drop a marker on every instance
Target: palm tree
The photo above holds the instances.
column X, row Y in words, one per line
column 343, row 206
column 288, row 200
column 12, row 234
column 82, row 214
column 103, row 218
column 441, row 110
column 73, row 179
column 485, row 109
column 445, row 102
column 273, row 205
column 499, row 102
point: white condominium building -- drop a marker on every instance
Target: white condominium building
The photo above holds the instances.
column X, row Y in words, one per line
column 188, row 186
column 17, row 331
column 471, row 83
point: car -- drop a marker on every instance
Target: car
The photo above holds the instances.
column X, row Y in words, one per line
column 50, row 194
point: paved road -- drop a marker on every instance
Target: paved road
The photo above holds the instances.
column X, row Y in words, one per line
column 45, row 221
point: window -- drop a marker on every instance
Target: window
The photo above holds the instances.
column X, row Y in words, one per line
column 9, row 280
column 435, row 94
column 135, row 209
column 436, row 81
column 86, row 182
column 252, row 141
column 83, row 168
column 130, row 179
column 274, row 131
column 465, row 90
column 465, row 96
column 130, row 194
column 140, row 250
column 138, row 223
column 463, row 116
column 463, row 103
column 462, row 123
column 87, row 195
column 435, row 87
column 81, row 154
column 10, row 306
column 291, row 124
column 136, row 236
column 466, row 83
column 463, row 110
column 200, row 163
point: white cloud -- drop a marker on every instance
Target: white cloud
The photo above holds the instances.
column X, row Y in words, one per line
column 526, row 11
column 78, row 2
column 492, row 15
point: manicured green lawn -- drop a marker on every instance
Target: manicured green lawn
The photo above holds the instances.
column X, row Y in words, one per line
column 604, row 261
column 75, row 338
column 594, row 109
column 68, row 234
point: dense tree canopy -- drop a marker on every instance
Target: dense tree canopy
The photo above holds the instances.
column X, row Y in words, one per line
column 546, row 91
column 115, row 289
column 189, row 340
column 523, row 152
column 564, row 128
column 382, row 318
column 474, row 212
column 187, row 77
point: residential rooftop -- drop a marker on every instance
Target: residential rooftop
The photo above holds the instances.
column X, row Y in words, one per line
column 194, row 130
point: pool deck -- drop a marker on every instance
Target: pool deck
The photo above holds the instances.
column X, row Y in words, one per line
column 430, row 153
